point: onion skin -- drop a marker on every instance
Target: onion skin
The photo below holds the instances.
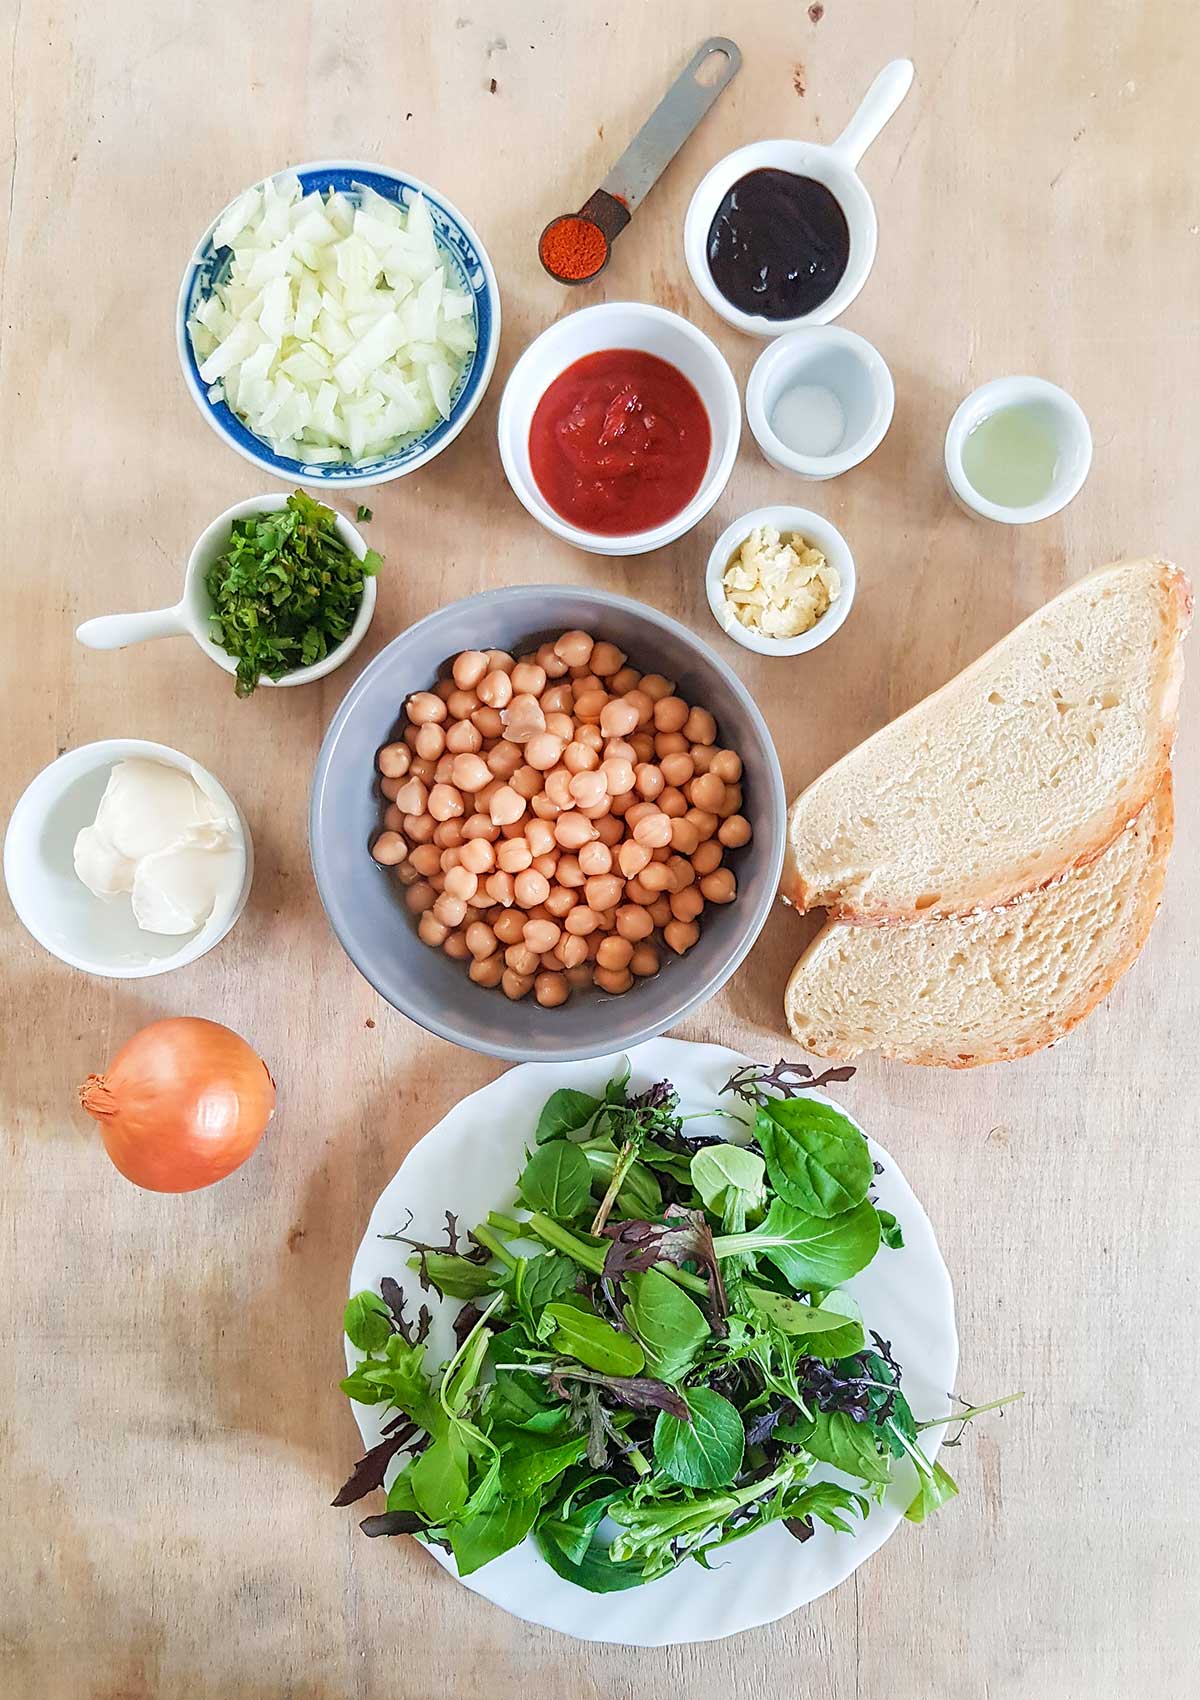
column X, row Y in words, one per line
column 182, row 1105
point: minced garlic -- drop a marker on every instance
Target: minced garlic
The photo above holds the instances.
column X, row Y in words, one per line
column 779, row 586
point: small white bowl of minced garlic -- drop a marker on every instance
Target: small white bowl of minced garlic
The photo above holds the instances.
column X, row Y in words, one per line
column 780, row 580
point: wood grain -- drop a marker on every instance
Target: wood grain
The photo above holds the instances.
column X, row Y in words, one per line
column 171, row 1432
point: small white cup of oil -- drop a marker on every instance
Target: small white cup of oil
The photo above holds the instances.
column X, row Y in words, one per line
column 819, row 401
column 1017, row 451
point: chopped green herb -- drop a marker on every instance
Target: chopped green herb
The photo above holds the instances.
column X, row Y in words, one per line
column 364, row 515
column 286, row 591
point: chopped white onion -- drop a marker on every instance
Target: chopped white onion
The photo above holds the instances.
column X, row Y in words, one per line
column 341, row 328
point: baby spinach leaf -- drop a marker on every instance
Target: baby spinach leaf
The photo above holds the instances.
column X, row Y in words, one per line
column 565, row 1111
column 557, row 1180
column 454, row 1277
column 439, row 1477
column 367, row 1322
column 844, row 1340
column 811, row 1251
column 891, row 1232
column 707, row 1452
column 816, row 1157
column 838, row 1440
column 596, row 1570
column 937, row 1486
column 505, row 1524
column 717, row 1170
column 595, row 1343
column 671, row 1327
column 534, row 1282
column 814, row 1323
column 528, row 1461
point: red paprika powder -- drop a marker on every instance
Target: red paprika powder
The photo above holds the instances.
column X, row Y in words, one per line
column 573, row 248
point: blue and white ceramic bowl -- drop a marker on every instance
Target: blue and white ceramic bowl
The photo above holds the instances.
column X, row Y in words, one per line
column 469, row 261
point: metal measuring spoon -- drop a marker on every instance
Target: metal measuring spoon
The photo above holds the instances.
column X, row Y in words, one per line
column 610, row 207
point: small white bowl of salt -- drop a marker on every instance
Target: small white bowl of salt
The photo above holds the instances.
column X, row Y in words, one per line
column 819, row 401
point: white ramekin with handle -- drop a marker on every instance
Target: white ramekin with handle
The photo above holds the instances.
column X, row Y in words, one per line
column 835, row 164
column 192, row 614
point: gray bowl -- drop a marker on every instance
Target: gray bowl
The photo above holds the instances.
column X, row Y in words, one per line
column 365, row 902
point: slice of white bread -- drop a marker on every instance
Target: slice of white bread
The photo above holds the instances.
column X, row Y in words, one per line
column 990, row 986
column 1024, row 766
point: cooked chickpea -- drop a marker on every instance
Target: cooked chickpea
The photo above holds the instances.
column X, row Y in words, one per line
column 704, row 822
column 488, row 722
column 481, row 940
column 677, row 769
column 461, row 883
column 509, row 927
column 660, row 911
column 523, row 719
column 480, row 826
column 619, row 775
column 499, row 887
column 419, row 829
column 543, row 751
column 514, row 855
column 633, row 922
column 656, row 687
column 456, row 945
column 500, row 661
column 680, row 936
column 431, row 931
column 531, row 888
column 670, row 714
column 605, row 660
column 478, row 855
column 588, row 788
column 389, row 849
column 590, row 705
column 688, row 904
column 570, row 872
column 393, row 760
column 557, row 787
column 506, row 806
column 445, row 802
column 450, row 911
column 720, row 886
column 542, row 936
column 495, row 690
column 469, row 668
column 669, row 744
column 521, row 959
column 389, row 787
column 574, row 648
column 614, row 953
column 406, row 873
column 708, row 857
column 657, row 877
column 550, row 662
column 707, row 792
column 514, row 985
column 426, row 859
column 644, row 962
column 487, row 970
column 700, row 727
column 734, row 832
column 581, row 920
column 393, row 818
column 503, row 760
column 528, row 678
column 603, row 891
column 471, row 773
column 572, row 830
column 545, row 808
column 610, row 829
column 463, row 738
column 413, row 797
column 560, row 902
column 702, row 756
column 547, row 866
column 539, row 835
column 423, row 707
column 649, row 780
column 550, row 989
column 443, row 773
column 579, row 757
column 653, row 831
column 461, row 705
column 618, row 718
column 595, row 858
column 613, row 981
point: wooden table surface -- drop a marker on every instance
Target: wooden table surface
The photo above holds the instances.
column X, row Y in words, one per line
column 172, row 1434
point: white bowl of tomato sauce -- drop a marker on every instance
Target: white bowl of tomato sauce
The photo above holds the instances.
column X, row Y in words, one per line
column 619, row 427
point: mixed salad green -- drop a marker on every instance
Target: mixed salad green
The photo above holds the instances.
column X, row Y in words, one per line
column 655, row 1352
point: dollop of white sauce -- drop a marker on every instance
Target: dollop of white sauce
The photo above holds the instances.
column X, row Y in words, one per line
column 163, row 841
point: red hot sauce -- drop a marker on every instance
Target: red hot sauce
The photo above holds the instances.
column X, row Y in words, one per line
column 619, row 442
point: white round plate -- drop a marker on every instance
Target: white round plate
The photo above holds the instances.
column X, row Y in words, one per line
column 469, row 1164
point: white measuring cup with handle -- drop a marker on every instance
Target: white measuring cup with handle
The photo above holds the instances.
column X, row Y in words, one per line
column 193, row 612
column 835, row 164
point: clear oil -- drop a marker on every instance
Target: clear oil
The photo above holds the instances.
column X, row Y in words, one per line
column 1011, row 457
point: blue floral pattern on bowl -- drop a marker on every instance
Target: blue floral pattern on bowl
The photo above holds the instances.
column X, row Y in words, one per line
column 468, row 260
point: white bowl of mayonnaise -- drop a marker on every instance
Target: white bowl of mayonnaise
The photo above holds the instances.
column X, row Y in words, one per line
column 127, row 859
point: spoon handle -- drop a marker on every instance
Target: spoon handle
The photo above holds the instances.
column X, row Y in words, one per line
column 114, row 631
column 672, row 122
column 877, row 106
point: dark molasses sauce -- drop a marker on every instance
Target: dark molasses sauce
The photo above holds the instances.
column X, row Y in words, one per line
column 779, row 244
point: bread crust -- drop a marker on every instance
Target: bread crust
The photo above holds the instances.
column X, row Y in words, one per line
column 1056, row 1024
column 1179, row 601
